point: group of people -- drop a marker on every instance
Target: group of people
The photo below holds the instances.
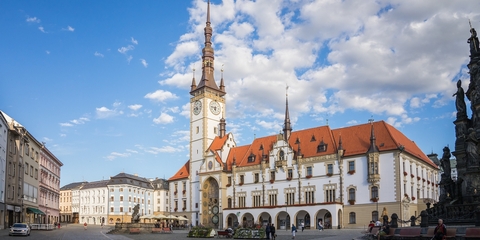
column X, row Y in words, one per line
column 438, row 234
column 270, row 231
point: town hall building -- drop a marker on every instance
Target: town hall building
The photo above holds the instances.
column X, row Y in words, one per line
column 342, row 177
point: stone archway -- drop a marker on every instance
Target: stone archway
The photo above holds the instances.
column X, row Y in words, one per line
column 283, row 220
column 247, row 221
column 232, row 220
column 210, row 203
column 325, row 217
column 264, row 218
column 304, row 217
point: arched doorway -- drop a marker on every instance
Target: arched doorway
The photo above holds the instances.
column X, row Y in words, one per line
column 325, row 217
column 304, row 217
column 283, row 221
column 264, row 218
column 210, row 203
column 232, row 220
column 247, row 220
column 340, row 219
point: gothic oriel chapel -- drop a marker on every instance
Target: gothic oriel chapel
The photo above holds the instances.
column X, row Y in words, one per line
column 343, row 177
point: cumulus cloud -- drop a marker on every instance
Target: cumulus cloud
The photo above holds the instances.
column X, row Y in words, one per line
column 124, row 50
column 42, row 29
column 164, row 118
column 114, row 155
column 134, row 41
column 78, row 121
column 160, row 95
column 144, row 62
column 97, row 54
column 69, row 28
column 33, row 19
column 135, row 107
column 104, row 112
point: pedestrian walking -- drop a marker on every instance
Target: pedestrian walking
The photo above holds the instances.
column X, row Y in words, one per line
column 85, row 226
column 267, row 231
column 272, row 232
column 294, row 230
column 303, row 226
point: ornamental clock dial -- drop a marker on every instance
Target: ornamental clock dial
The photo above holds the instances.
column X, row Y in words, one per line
column 215, row 209
column 215, row 219
column 215, row 107
column 197, row 107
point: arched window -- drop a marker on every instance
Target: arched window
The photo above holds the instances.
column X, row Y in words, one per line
column 375, row 216
column 281, row 155
column 229, row 203
column 352, row 218
column 374, row 192
column 351, row 194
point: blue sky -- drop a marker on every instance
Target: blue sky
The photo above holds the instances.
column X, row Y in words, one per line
column 106, row 83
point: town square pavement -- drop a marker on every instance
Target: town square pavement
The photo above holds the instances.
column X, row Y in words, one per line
column 76, row 232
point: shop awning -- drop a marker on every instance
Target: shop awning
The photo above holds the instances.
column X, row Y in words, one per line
column 35, row 210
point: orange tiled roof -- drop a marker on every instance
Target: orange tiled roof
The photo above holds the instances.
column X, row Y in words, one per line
column 356, row 140
column 217, row 145
column 184, row 172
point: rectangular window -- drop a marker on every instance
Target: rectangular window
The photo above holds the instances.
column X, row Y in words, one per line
column 309, row 171
column 184, row 205
column 256, row 201
column 26, row 168
column 241, row 202
column 272, row 199
column 176, row 204
column 229, row 180
column 121, row 209
column 352, row 218
column 121, row 198
column 351, row 194
column 272, row 175
column 27, row 149
column 242, row 178
column 256, row 177
column 351, row 166
column 111, row 209
column 31, row 171
column 158, row 200
column 290, row 173
column 184, row 186
column 330, row 169
column 112, row 198
column 309, row 197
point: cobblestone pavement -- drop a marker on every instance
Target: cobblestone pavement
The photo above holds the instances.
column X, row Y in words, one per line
column 76, row 232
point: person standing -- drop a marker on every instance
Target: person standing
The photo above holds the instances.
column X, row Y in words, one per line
column 294, row 230
column 320, row 225
column 440, row 230
column 267, row 231
column 272, row 231
column 85, row 225
column 303, row 226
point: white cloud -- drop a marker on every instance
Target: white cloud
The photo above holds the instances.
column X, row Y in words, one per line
column 161, row 96
column 69, row 28
column 104, row 112
column 165, row 149
column 164, row 118
column 114, row 155
column 42, row 29
column 97, row 54
column 124, row 50
column 134, row 41
column 129, row 58
column 352, row 122
column 144, row 62
column 79, row 121
column 135, row 107
column 33, row 19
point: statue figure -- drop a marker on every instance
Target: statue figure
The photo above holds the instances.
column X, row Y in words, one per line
column 473, row 41
column 384, row 212
column 406, row 206
column 445, row 162
column 136, row 214
column 460, row 101
column 472, row 153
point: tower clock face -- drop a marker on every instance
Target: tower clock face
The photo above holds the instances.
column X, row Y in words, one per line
column 215, row 219
column 215, row 107
column 197, row 107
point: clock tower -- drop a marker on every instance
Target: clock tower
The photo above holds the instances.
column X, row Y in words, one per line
column 207, row 110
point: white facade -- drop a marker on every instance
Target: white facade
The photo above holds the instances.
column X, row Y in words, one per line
column 3, row 165
column 93, row 202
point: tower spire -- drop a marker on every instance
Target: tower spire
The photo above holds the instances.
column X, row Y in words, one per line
column 194, row 84
column 373, row 144
column 287, row 127
column 208, row 60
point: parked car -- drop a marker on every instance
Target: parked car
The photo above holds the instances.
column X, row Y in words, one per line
column 19, row 229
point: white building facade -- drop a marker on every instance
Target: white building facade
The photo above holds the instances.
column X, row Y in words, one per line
column 93, row 204
column 342, row 177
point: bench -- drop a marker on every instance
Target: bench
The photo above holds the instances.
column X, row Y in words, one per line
column 408, row 233
column 451, row 233
column 390, row 234
column 134, row 230
column 472, row 233
column 373, row 232
column 167, row 230
column 223, row 234
column 157, row 230
column 429, row 235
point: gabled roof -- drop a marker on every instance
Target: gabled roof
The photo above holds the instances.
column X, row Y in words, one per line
column 311, row 139
column 96, row 184
column 125, row 178
column 254, row 149
column 184, row 172
column 356, row 140
column 71, row 186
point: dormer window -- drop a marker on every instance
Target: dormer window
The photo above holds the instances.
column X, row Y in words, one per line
column 251, row 158
column 313, row 139
column 322, row 147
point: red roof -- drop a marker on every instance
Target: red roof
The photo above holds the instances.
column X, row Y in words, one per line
column 184, row 172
